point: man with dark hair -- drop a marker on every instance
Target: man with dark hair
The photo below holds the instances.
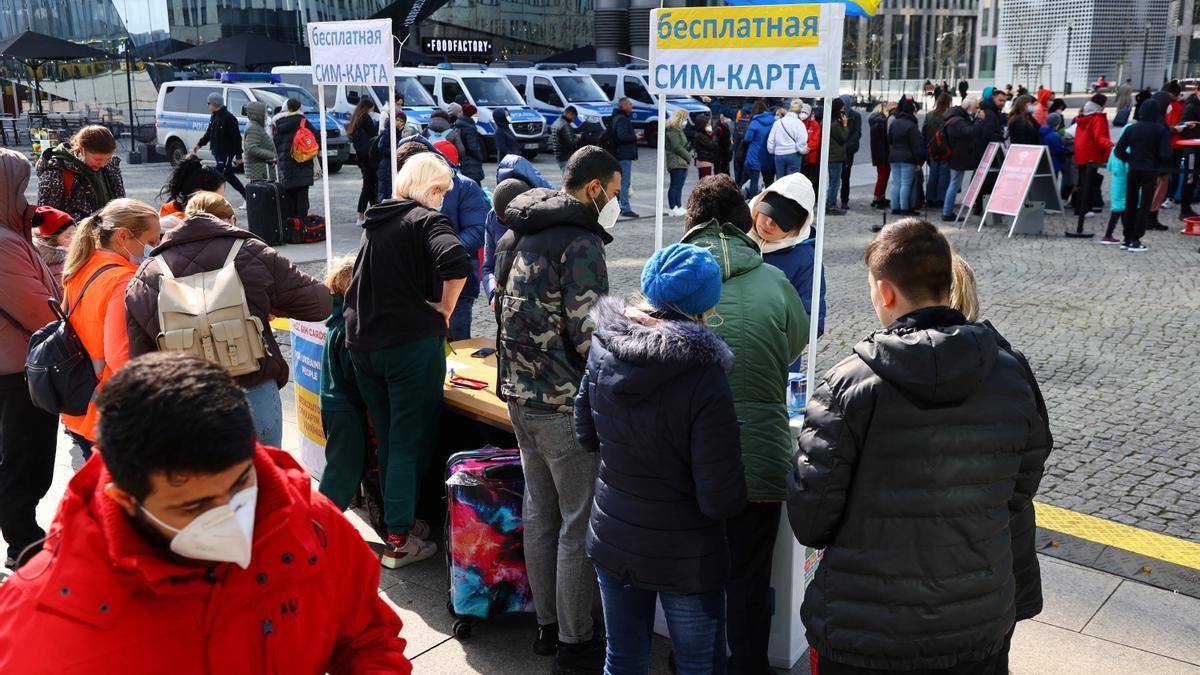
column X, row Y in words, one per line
column 226, row 138
column 717, row 198
column 627, row 151
column 550, row 270
column 183, row 541
column 915, row 453
column 563, row 139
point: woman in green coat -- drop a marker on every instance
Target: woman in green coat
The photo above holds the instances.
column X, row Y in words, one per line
column 761, row 318
column 679, row 158
column 258, row 150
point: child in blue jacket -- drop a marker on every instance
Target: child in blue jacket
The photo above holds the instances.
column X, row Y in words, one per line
column 1119, row 171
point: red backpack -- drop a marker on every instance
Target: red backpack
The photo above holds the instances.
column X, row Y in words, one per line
column 304, row 143
column 939, row 147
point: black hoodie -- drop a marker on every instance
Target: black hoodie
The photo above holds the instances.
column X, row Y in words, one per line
column 1146, row 145
column 407, row 251
column 916, row 452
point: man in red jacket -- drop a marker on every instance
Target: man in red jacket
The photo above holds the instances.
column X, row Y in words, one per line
column 186, row 547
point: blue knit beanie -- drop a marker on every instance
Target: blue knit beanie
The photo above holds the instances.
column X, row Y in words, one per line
column 683, row 278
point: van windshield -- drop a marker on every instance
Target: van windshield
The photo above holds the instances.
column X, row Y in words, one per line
column 491, row 91
column 412, row 91
column 277, row 97
column 580, row 89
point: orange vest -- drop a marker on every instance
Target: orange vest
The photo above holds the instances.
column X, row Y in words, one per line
column 88, row 321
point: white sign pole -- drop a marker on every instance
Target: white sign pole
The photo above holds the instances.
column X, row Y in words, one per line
column 392, row 133
column 325, row 178
column 814, row 320
column 661, row 163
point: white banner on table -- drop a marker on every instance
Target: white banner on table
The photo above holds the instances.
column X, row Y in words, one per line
column 761, row 50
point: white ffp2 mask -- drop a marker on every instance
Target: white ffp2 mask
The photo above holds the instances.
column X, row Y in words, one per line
column 221, row 534
column 607, row 216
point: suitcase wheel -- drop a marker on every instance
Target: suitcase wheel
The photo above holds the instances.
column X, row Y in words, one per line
column 450, row 609
column 462, row 630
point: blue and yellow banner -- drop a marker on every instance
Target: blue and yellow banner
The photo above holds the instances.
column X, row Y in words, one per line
column 866, row 8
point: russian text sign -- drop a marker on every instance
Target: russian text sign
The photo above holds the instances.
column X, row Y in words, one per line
column 351, row 52
column 764, row 50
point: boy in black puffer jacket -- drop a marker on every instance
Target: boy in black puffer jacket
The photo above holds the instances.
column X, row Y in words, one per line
column 915, row 454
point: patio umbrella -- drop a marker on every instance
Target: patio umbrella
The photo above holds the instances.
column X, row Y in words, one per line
column 154, row 51
column 34, row 49
column 243, row 50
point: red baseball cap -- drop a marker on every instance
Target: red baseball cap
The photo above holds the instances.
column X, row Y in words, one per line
column 469, row 110
column 50, row 221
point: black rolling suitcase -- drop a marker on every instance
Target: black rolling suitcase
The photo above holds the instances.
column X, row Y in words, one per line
column 264, row 210
column 1122, row 117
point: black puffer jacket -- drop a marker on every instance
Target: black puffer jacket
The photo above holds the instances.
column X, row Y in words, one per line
column 292, row 174
column 961, row 132
column 992, row 131
column 1146, row 145
column 877, row 123
column 223, row 133
column 655, row 402
column 916, row 452
column 905, row 145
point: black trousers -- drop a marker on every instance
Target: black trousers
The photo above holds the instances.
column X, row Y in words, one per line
column 995, row 665
column 295, row 203
column 27, row 443
column 368, row 195
column 847, row 165
column 225, row 166
column 1137, row 210
column 751, row 536
column 1090, row 195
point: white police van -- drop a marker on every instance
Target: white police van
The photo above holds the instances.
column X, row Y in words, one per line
column 455, row 83
column 632, row 81
column 550, row 87
column 181, row 115
column 341, row 99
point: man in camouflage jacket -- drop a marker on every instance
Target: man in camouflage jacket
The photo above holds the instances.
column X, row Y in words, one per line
column 550, row 272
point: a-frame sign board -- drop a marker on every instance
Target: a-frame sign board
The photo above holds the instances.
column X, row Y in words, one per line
column 1026, row 185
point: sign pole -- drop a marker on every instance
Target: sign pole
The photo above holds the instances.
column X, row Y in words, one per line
column 325, row 178
column 660, row 163
column 392, row 122
column 814, row 319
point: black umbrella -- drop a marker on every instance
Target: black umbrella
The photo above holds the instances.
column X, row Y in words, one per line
column 154, row 51
column 243, row 50
column 34, row 49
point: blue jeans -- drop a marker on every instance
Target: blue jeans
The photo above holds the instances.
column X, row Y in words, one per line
column 751, row 182
column 938, row 181
column 902, row 182
column 952, row 186
column 266, row 411
column 696, row 623
column 835, row 183
column 460, row 318
column 786, row 165
column 675, row 190
column 626, row 176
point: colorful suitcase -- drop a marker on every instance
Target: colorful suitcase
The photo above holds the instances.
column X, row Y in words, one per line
column 485, row 557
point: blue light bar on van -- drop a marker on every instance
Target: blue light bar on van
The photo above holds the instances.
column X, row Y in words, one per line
column 636, row 66
column 462, row 66
column 556, row 66
column 250, row 77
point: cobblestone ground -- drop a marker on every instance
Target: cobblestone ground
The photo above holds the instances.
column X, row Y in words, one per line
column 1112, row 336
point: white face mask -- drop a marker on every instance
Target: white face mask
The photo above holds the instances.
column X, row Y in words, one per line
column 608, row 215
column 221, row 534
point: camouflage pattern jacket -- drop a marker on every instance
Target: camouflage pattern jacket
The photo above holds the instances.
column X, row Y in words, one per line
column 550, row 271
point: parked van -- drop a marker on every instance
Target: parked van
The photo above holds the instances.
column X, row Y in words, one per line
column 341, row 99
column 632, row 81
column 181, row 115
column 550, row 87
column 471, row 83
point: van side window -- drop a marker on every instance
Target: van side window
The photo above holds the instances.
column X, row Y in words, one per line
column 427, row 82
column 543, row 90
column 235, row 99
column 451, row 91
column 176, row 99
column 198, row 99
column 635, row 90
column 608, row 83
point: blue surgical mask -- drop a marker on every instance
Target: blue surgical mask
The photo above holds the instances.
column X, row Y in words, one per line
column 139, row 259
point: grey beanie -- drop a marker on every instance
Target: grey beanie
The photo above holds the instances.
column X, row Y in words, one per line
column 215, row 98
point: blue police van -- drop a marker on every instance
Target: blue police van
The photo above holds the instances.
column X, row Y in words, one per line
column 632, row 82
column 341, row 99
column 550, row 87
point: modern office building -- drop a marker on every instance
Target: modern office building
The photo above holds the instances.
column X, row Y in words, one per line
column 1041, row 43
column 912, row 40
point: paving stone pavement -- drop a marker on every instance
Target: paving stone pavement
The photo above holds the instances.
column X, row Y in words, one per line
column 1111, row 335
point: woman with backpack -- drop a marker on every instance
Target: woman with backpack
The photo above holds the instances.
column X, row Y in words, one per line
column 209, row 240
column 655, row 403
column 27, row 433
column 296, row 176
column 104, row 255
column 939, row 152
column 362, row 130
column 82, row 175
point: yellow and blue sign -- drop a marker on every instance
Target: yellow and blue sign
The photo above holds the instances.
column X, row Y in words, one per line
column 866, row 8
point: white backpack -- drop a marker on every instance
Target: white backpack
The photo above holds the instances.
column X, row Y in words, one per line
column 206, row 314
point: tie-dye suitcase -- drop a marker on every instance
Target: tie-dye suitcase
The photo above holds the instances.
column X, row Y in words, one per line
column 485, row 554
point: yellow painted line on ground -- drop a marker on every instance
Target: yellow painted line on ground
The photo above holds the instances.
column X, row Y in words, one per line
column 1144, row 542
column 281, row 324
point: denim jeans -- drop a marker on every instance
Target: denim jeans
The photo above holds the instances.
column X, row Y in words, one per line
column 902, row 182
column 696, row 623
column 936, row 184
column 266, row 411
column 835, row 182
column 750, row 185
column 786, row 165
column 225, row 166
column 952, row 186
column 560, row 480
column 675, row 190
column 626, row 176
column 460, row 318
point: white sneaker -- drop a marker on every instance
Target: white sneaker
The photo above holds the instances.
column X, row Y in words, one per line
column 359, row 222
column 1168, row 204
column 420, row 529
column 678, row 211
column 242, row 206
column 413, row 550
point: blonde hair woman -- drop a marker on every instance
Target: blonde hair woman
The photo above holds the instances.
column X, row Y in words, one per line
column 213, row 204
column 103, row 257
column 963, row 294
column 411, row 269
column 679, row 158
